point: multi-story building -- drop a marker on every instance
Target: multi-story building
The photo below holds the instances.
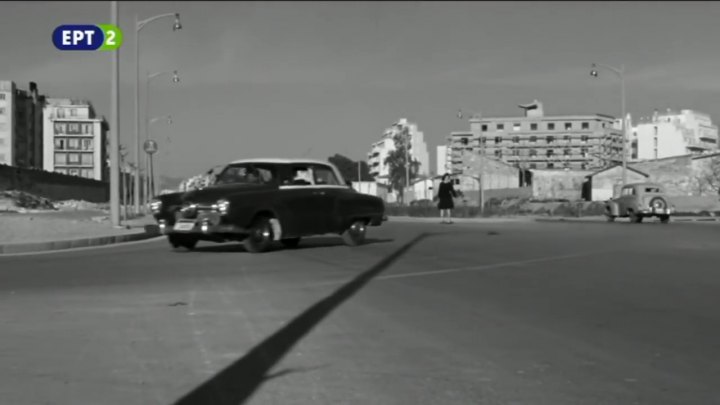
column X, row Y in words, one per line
column 673, row 134
column 441, row 160
column 382, row 148
column 536, row 141
column 21, row 129
column 74, row 139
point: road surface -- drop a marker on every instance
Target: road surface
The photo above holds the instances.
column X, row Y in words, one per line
column 521, row 313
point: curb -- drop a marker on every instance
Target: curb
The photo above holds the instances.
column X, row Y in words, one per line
column 150, row 231
column 459, row 220
column 602, row 220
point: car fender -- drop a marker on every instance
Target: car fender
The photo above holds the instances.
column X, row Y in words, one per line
column 613, row 208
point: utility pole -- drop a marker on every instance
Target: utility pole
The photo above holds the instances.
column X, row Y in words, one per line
column 407, row 161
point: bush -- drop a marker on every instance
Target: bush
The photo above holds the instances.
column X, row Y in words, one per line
column 496, row 207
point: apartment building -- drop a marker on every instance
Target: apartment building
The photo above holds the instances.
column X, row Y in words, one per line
column 21, row 129
column 537, row 141
column 673, row 133
column 74, row 139
column 381, row 149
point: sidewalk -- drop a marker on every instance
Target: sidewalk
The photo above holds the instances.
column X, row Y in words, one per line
column 529, row 218
column 602, row 219
column 55, row 230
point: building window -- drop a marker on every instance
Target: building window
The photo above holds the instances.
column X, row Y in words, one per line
column 584, row 166
column 533, row 152
column 2, row 158
column 73, row 158
column 61, row 158
column 87, row 158
column 551, row 126
column 584, row 151
column 2, row 110
column 584, row 138
column 550, row 139
column 516, row 139
column 551, row 165
column 500, row 127
column 463, row 141
column 498, row 153
column 60, row 113
column 2, row 141
column 585, row 125
column 533, row 138
column 549, row 152
column 498, row 139
column 87, row 173
column 515, row 152
column 73, row 128
column 566, row 138
column 568, row 126
column 533, row 166
column 59, row 128
column 87, row 144
column 656, row 130
column 602, row 125
column 516, row 126
column 73, row 112
column 59, row 144
column 2, row 96
column 566, row 152
column 484, row 127
column 533, row 127
column 74, row 172
column 61, row 171
column 73, row 144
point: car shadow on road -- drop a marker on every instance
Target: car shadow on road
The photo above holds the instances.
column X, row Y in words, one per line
column 309, row 243
column 238, row 382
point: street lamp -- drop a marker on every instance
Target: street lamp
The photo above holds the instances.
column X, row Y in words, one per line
column 621, row 74
column 139, row 25
column 115, row 127
column 150, row 76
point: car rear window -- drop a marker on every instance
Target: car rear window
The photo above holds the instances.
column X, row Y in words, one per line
column 652, row 189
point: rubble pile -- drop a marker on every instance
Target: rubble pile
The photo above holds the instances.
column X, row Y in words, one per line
column 76, row 205
column 20, row 201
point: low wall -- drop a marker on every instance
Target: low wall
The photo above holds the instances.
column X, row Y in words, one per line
column 54, row 186
column 695, row 203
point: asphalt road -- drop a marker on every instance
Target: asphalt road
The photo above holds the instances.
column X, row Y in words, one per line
column 522, row 313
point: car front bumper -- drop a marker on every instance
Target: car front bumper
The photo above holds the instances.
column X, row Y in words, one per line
column 205, row 224
column 657, row 211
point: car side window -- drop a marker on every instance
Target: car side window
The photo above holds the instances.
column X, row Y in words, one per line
column 299, row 176
column 325, row 176
column 245, row 174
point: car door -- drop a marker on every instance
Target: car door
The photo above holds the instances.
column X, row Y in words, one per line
column 327, row 187
column 302, row 201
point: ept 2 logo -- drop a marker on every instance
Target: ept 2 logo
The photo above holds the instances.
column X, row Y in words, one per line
column 104, row 37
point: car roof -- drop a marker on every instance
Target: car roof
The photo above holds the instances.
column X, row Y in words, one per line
column 645, row 185
column 282, row 161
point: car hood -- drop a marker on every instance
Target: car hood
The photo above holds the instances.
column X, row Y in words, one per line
column 210, row 195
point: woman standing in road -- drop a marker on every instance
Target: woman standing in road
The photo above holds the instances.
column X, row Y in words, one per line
column 445, row 195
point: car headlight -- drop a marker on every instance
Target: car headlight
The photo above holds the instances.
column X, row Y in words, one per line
column 155, row 206
column 222, row 206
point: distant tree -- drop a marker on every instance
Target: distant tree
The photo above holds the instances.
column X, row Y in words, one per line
column 397, row 161
column 349, row 168
column 710, row 176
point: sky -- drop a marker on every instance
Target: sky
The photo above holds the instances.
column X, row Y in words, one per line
column 311, row 79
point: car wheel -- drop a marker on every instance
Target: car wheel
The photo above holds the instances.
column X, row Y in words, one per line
column 291, row 242
column 636, row 218
column 260, row 238
column 665, row 219
column 188, row 242
column 609, row 218
column 355, row 234
column 658, row 203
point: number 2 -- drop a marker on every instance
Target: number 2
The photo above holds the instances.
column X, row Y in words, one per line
column 110, row 38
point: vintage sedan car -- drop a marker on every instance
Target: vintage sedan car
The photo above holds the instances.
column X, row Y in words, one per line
column 638, row 201
column 262, row 201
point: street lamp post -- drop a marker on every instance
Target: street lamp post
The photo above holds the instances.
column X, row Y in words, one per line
column 407, row 161
column 621, row 74
column 481, row 154
column 139, row 25
column 115, row 127
column 123, row 182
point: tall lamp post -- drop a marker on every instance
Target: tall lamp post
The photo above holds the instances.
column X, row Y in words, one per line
column 139, row 25
column 621, row 74
column 150, row 76
column 115, row 127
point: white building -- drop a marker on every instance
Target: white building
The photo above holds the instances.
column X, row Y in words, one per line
column 441, row 160
column 74, row 139
column 380, row 149
column 673, row 134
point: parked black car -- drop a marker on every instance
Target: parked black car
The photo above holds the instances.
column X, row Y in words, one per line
column 261, row 201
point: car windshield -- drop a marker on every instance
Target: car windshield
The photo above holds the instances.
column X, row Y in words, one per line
column 244, row 174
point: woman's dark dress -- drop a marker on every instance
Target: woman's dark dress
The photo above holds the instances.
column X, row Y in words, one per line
column 446, row 193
